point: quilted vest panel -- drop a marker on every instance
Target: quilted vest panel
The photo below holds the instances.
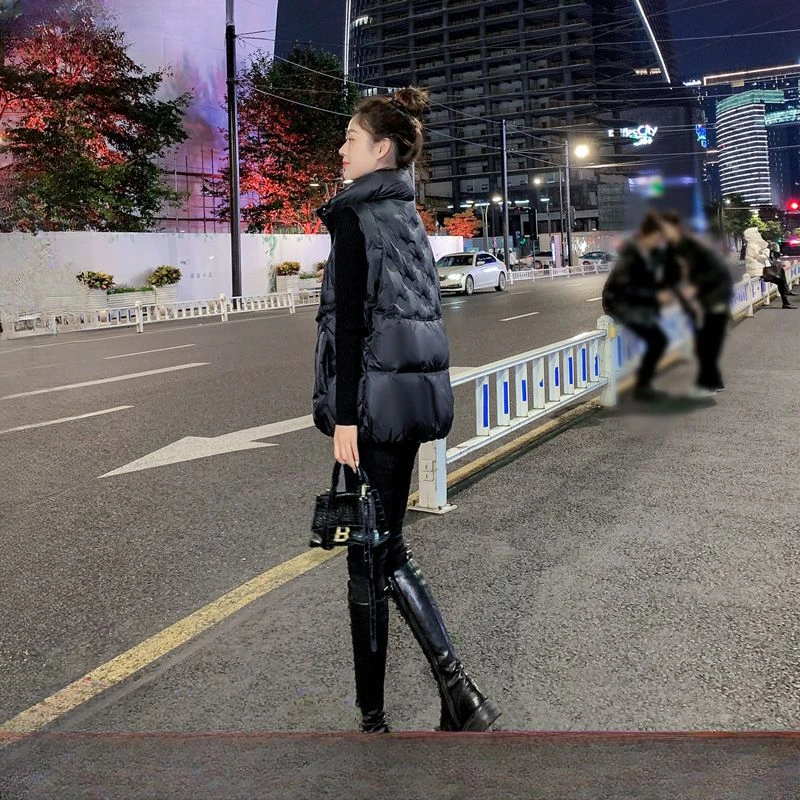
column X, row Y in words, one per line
column 404, row 394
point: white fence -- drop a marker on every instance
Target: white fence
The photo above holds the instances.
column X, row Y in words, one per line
column 141, row 314
column 556, row 272
column 515, row 392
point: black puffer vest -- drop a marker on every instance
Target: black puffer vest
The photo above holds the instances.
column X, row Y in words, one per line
column 405, row 393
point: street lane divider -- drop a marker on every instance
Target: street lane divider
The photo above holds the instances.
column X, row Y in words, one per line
column 516, row 392
column 140, row 314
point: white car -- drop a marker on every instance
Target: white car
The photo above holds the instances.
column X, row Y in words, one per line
column 597, row 258
column 466, row 272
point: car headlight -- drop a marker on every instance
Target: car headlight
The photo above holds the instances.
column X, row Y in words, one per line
column 455, row 276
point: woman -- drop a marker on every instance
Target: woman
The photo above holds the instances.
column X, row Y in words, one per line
column 633, row 294
column 382, row 387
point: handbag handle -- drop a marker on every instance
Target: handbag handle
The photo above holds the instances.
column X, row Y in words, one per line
column 337, row 471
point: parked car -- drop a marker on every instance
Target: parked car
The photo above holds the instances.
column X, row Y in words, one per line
column 466, row 272
column 599, row 258
column 791, row 246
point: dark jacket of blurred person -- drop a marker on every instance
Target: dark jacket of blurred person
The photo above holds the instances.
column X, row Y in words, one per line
column 633, row 295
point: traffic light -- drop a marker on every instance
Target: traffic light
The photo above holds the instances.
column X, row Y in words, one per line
column 793, row 206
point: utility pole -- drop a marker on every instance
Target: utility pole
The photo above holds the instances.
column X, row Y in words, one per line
column 569, row 203
column 561, row 214
column 506, row 258
column 233, row 151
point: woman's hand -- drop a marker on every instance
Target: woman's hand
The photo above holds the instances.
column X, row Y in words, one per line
column 345, row 445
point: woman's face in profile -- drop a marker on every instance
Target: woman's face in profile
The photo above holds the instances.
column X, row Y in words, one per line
column 360, row 154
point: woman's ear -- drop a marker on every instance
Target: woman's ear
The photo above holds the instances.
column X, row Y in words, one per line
column 384, row 148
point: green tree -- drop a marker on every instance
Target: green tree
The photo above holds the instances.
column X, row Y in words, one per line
column 292, row 118
column 82, row 128
column 738, row 215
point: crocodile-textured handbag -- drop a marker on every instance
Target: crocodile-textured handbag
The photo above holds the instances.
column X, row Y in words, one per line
column 343, row 518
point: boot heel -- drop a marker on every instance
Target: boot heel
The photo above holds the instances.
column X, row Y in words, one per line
column 483, row 718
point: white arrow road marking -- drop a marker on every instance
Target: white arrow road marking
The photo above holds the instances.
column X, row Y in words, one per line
column 509, row 319
column 65, row 419
column 192, row 447
column 105, row 380
column 145, row 352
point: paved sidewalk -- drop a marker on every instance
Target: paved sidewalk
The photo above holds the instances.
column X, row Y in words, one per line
column 636, row 572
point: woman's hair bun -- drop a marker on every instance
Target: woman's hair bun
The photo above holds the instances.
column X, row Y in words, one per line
column 412, row 99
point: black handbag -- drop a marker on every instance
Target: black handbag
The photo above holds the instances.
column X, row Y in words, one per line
column 352, row 518
column 342, row 518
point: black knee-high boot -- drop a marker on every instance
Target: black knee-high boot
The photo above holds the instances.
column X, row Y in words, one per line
column 464, row 706
column 370, row 667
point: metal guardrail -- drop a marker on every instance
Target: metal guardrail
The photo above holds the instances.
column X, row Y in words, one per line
column 753, row 292
column 556, row 272
column 532, row 385
column 140, row 314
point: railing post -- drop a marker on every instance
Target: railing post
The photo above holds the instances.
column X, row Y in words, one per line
column 608, row 397
column 292, row 308
column 139, row 316
column 223, row 308
column 433, row 478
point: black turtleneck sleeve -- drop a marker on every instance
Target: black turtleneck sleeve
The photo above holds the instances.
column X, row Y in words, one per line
column 350, row 258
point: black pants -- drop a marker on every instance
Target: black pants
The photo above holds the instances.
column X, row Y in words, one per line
column 656, row 342
column 708, row 343
column 389, row 468
column 780, row 282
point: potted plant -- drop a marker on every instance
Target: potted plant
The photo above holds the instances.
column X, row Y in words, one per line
column 164, row 280
column 96, row 286
column 123, row 296
column 308, row 281
column 287, row 278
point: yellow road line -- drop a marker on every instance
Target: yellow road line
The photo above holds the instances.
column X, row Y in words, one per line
column 142, row 655
column 159, row 645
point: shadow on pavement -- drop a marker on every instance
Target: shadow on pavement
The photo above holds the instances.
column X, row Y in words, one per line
column 675, row 405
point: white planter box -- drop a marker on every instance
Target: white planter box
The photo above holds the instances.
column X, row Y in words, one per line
column 167, row 294
column 309, row 284
column 286, row 284
column 129, row 299
column 92, row 299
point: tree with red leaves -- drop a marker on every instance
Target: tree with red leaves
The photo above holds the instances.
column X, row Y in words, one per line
column 465, row 224
column 82, row 126
column 428, row 218
column 292, row 117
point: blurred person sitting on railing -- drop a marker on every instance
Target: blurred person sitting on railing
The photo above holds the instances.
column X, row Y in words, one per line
column 760, row 263
column 634, row 293
column 773, row 273
column 706, row 299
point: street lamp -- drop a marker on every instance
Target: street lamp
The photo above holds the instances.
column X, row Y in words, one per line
column 581, row 151
column 484, row 207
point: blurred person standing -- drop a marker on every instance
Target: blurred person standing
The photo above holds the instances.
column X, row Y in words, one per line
column 633, row 294
column 711, row 288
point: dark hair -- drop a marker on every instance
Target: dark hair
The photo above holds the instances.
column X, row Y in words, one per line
column 673, row 218
column 398, row 117
column 650, row 224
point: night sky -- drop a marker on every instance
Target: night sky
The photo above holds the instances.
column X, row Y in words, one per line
column 725, row 17
column 313, row 20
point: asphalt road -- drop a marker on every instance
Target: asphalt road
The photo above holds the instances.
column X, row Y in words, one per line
column 93, row 565
column 636, row 572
